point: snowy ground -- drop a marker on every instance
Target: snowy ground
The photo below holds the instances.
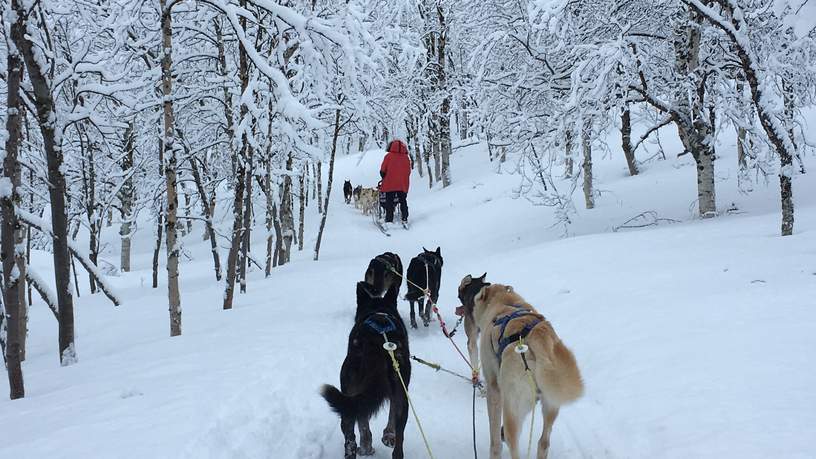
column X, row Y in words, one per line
column 695, row 339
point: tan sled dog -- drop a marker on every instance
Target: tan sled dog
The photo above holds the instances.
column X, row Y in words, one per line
column 503, row 317
column 369, row 200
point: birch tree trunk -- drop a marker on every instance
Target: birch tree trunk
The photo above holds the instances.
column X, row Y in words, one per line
column 586, row 141
column 286, row 216
column 10, row 310
column 170, row 164
column 742, row 160
column 337, row 128
column 232, row 257
column 158, row 244
column 207, row 211
column 28, row 240
column 306, row 184
column 626, row 140
column 270, row 215
column 247, row 221
column 789, row 102
column 276, row 222
column 743, row 179
column 222, row 67
column 436, row 151
column 301, row 212
column 48, row 122
column 444, row 112
column 91, row 211
column 413, row 145
column 464, row 123
column 568, row 163
column 22, row 269
column 126, row 199
column 693, row 126
column 320, row 187
column 427, row 155
column 240, row 177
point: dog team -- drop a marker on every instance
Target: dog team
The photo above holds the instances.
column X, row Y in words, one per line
column 392, row 191
column 522, row 359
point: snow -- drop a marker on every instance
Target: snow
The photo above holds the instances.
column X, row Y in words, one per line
column 694, row 338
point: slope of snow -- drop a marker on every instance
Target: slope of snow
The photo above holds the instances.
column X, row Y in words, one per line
column 694, row 338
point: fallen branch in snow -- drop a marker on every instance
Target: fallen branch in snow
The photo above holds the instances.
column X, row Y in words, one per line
column 642, row 220
column 91, row 268
column 45, row 292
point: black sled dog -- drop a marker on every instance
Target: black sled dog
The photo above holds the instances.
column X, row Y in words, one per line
column 383, row 271
column 368, row 379
column 347, row 191
column 424, row 272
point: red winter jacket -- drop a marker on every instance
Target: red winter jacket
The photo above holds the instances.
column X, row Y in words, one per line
column 396, row 168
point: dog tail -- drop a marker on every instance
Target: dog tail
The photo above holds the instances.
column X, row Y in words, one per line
column 556, row 374
column 355, row 406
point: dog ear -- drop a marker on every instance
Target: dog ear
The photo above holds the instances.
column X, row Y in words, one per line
column 482, row 277
column 466, row 281
column 424, row 249
column 482, row 296
column 439, row 251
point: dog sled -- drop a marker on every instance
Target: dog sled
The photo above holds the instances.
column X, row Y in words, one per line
column 379, row 215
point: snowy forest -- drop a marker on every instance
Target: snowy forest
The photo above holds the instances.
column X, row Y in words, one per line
column 160, row 153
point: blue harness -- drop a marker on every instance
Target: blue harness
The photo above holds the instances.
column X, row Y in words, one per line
column 502, row 321
column 380, row 326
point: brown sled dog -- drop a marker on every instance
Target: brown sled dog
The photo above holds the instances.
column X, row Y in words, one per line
column 503, row 317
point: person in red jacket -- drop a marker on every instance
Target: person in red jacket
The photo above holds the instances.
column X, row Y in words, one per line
column 396, row 173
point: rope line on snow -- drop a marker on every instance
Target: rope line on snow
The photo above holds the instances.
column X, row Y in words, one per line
column 439, row 367
column 391, row 347
column 435, row 309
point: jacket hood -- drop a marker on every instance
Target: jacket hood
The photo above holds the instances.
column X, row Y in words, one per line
column 397, row 146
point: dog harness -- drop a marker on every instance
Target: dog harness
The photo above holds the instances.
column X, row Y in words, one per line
column 502, row 322
column 380, row 326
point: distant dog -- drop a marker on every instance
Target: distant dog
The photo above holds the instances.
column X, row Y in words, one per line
column 504, row 318
column 368, row 200
column 384, row 271
column 368, row 379
column 424, row 272
column 356, row 193
column 347, row 191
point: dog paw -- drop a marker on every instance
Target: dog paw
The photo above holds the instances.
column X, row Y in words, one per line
column 365, row 450
column 350, row 450
column 389, row 439
column 413, row 324
column 426, row 323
